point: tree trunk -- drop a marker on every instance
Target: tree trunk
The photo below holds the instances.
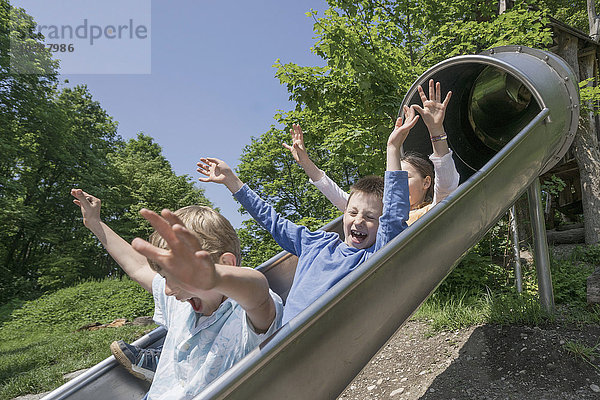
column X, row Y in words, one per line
column 593, row 21
column 572, row 236
column 588, row 159
column 585, row 145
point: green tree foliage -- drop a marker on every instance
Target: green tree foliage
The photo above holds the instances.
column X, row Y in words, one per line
column 139, row 176
column 62, row 143
column 374, row 50
column 517, row 26
column 147, row 180
column 52, row 140
column 571, row 12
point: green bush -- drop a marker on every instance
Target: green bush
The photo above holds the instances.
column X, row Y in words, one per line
column 477, row 273
column 569, row 282
column 496, row 242
column 478, row 290
column 88, row 302
column 12, row 287
column 512, row 308
column 587, row 254
column 39, row 340
column 473, row 275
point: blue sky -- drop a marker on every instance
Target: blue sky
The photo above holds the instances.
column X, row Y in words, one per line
column 212, row 85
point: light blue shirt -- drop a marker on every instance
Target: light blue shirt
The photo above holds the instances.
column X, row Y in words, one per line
column 324, row 259
column 197, row 348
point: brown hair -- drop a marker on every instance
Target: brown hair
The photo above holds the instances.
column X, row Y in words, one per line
column 214, row 232
column 425, row 168
column 370, row 184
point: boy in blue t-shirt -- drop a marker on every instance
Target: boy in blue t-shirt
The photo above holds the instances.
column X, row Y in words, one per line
column 376, row 212
column 215, row 311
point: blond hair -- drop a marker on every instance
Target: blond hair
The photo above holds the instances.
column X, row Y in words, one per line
column 213, row 231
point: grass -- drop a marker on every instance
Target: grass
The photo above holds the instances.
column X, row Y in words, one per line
column 583, row 352
column 446, row 312
column 457, row 305
column 39, row 341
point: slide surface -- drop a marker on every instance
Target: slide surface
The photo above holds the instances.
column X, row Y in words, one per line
column 319, row 352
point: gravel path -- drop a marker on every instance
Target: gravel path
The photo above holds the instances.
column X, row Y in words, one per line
column 481, row 362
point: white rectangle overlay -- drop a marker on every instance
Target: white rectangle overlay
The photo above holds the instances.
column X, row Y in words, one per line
column 91, row 36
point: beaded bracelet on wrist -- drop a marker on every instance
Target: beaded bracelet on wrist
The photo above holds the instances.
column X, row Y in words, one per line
column 443, row 136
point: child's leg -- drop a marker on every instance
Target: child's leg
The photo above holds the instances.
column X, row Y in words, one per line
column 140, row 362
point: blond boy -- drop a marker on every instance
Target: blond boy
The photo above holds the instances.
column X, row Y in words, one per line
column 215, row 311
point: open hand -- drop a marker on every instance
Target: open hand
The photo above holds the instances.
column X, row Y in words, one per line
column 184, row 263
column 297, row 148
column 433, row 110
column 218, row 171
column 402, row 128
column 90, row 207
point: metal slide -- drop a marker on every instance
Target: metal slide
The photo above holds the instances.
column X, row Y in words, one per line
column 513, row 114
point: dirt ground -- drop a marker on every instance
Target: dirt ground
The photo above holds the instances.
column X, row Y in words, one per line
column 486, row 362
column 481, row 362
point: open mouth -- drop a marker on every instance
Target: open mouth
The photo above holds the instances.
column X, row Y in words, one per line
column 357, row 236
column 196, row 304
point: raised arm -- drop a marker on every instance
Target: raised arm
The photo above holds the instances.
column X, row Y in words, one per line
column 328, row 187
column 134, row 264
column 446, row 176
column 287, row 234
column 398, row 136
column 396, row 204
column 433, row 113
column 218, row 171
column 193, row 270
column 299, row 153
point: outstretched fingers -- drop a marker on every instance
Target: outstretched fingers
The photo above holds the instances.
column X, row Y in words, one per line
column 171, row 217
column 422, row 94
column 78, row 194
column 204, row 166
column 206, row 162
column 162, row 227
column 179, row 230
column 447, row 99
column 150, row 251
column 186, row 237
column 83, row 196
column 89, row 205
column 435, row 93
column 297, row 137
column 410, row 117
column 298, row 134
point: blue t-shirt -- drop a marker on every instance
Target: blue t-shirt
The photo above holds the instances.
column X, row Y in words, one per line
column 324, row 259
column 197, row 348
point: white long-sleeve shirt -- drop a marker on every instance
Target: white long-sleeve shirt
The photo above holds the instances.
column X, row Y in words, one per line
column 445, row 182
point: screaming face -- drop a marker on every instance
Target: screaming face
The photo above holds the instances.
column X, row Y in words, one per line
column 361, row 220
column 206, row 304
